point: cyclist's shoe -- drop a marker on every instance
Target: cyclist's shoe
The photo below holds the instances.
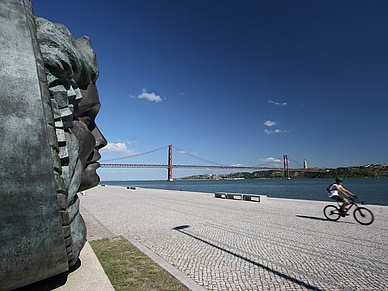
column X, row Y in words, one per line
column 344, row 213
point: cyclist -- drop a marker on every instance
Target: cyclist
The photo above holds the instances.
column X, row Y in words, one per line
column 333, row 194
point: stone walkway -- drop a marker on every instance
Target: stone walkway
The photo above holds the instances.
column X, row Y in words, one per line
column 281, row 244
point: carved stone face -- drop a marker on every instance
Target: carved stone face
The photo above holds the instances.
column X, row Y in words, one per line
column 71, row 69
column 89, row 136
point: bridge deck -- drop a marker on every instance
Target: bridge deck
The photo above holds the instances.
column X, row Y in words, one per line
column 104, row 165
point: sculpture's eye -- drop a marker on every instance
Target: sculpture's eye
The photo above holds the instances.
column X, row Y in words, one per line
column 85, row 119
column 88, row 121
column 87, row 114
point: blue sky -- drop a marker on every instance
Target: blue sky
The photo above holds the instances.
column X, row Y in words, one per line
column 237, row 82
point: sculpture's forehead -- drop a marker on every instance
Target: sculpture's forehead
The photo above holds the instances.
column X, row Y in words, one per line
column 90, row 100
column 65, row 58
column 90, row 95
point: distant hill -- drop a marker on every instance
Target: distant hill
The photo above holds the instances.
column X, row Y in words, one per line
column 367, row 171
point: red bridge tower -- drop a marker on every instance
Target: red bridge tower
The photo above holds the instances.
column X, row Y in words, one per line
column 170, row 163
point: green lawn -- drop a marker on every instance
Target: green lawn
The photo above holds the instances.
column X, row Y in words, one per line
column 130, row 269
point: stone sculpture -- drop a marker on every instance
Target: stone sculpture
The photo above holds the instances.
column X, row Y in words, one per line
column 72, row 71
column 49, row 143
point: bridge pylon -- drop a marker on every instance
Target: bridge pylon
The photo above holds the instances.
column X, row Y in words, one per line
column 286, row 168
column 169, row 168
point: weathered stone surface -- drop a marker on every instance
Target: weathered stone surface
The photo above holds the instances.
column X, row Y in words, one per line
column 74, row 94
column 68, row 59
column 59, row 93
column 66, row 231
column 72, row 70
column 47, row 88
column 60, row 134
column 67, row 116
column 62, row 202
column 56, row 113
column 31, row 235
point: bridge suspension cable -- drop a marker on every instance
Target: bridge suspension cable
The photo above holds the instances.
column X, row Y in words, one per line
column 132, row 156
column 213, row 165
column 295, row 161
column 196, row 157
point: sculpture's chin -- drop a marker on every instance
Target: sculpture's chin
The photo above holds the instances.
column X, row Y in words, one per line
column 90, row 178
column 78, row 235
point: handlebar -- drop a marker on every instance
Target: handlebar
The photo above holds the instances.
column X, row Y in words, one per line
column 354, row 198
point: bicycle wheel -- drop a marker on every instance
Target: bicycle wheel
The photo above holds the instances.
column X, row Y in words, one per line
column 363, row 215
column 331, row 212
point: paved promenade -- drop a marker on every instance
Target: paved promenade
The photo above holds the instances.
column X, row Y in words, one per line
column 280, row 244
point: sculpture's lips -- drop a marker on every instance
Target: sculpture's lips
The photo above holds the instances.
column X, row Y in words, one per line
column 96, row 156
column 93, row 165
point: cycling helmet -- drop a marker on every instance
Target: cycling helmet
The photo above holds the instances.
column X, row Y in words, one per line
column 339, row 179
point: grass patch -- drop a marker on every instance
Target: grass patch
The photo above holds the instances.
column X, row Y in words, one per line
column 130, row 269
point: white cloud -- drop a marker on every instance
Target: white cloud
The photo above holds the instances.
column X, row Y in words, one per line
column 270, row 123
column 128, row 141
column 271, row 159
column 236, row 165
column 278, row 103
column 149, row 96
column 186, row 152
column 270, row 131
column 118, row 148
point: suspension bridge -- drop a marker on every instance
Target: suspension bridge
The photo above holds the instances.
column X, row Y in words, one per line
column 208, row 164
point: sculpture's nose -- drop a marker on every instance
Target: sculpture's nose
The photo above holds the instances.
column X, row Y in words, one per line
column 100, row 139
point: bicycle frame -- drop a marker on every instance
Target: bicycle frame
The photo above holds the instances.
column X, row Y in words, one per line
column 350, row 205
column 361, row 214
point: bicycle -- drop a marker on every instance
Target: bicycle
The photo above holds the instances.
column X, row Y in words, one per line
column 361, row 214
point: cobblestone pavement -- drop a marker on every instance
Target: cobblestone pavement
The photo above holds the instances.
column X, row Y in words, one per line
column 281, row 244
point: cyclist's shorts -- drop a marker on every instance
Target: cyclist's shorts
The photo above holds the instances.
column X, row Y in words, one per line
column 337, row 198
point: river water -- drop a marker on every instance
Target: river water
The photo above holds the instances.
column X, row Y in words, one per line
column 369, row 190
